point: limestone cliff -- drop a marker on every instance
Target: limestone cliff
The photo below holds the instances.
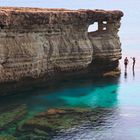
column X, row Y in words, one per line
column 34, row 42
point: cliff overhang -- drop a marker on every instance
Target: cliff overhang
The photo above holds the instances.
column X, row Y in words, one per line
column 36, row 42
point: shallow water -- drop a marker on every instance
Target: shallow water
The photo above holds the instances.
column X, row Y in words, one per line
column 119, row 96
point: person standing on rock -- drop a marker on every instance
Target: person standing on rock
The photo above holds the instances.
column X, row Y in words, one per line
column 126, row 62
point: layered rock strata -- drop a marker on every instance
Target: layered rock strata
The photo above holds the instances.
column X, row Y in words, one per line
column 34, row 42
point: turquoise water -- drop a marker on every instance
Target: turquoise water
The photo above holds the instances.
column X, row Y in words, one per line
column 119, row 95
column 87, row 92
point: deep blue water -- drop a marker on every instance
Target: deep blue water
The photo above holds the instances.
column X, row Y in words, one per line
column 122, row 94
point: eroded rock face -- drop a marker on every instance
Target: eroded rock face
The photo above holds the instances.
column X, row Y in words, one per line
column 34, row 42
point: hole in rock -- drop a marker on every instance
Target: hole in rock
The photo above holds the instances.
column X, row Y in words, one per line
column 104, row 22
column 104, row 28
column 93, row 27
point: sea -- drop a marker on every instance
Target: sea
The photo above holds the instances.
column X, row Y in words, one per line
column 121, row 95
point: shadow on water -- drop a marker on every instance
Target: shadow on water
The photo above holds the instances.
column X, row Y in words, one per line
column 80, row 91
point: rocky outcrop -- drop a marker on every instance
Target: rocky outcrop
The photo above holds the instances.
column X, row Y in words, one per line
column 34, row 42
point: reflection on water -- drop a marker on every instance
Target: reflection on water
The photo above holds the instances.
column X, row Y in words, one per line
column 80, row 92
column 125, row 74
column 133, row 73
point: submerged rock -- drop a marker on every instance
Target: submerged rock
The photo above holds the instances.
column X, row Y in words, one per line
column 7, row 138
column 12, row 115
column 55, row 119
column 55, row 122
column 36, row 41
column 113, row 73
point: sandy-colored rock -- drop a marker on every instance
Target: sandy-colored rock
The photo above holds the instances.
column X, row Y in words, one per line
column 55, row 111
column 113, row 73
column 34, row 42
column 7, row 138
